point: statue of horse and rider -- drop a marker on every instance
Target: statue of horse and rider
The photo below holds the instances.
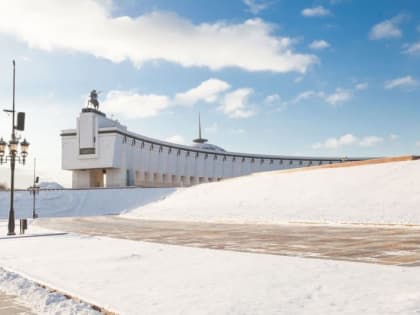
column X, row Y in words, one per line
column 93, row 99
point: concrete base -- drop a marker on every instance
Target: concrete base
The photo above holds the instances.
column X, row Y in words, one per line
column 88, row 178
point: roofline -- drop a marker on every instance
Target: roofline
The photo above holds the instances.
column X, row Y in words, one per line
column 113, row 130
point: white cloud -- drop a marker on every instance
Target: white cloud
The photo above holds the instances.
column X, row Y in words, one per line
column 403, row 82
column 256, row 6
column 339, row 96
column 276, row 103
column 298, row 79
column 418, row 28
column 176, row 139
column 333, row 143
column 370, row 141
column 235, row 104
column 418, row 143
column 88, row 26
column 315, row 11
column 272, row 99
column 308, row 95
column 347, row 140
column 133, row 105
column 393, row 137
column 361, row 86
column 388, row 28
column 319, row 44
column 412, row 49
column 208, row 91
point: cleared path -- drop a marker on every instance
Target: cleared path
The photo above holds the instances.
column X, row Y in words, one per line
column 372, row 244
column 10, row 306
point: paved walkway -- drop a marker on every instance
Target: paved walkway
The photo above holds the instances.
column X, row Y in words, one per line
column 371, row 244
column 9, row 306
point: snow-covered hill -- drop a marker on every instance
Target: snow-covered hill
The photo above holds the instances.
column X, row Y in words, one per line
column 377, row 193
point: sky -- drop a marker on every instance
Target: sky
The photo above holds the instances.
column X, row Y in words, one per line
column 319, row 78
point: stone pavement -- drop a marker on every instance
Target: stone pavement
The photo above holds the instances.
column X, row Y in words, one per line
column 389, row 245
column 10, row 306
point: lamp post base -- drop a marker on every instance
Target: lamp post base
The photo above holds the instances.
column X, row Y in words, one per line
column 11, row 233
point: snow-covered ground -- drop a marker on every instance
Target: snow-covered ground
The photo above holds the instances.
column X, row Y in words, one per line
column 378, row 193
column 62, row 203
column 132, row 277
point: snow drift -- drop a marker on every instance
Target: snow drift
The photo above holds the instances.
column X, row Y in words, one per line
column 40, row 299
column 65, row 203
column 377, row 193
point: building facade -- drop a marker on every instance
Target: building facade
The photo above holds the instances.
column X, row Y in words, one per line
column 101, row 152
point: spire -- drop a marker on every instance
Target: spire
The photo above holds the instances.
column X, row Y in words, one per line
column 199, row 139
column 199, row 125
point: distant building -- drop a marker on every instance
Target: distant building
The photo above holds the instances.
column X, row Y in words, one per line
column 101, row 152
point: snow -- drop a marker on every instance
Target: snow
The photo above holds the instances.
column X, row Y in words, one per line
column 377, row 193
column 39, row 299
column 131, row 277
column 50, row 185
column 63, row 203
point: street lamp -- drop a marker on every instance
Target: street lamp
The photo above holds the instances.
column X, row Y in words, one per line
column 34, row 190
column 2, row 147
column 24, row 145
column 13, row 151
column 13, row 155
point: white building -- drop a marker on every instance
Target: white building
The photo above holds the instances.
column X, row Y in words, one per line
column 101, row 152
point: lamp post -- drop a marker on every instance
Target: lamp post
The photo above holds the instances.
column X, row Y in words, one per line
column 13, row 155
column 34, row 190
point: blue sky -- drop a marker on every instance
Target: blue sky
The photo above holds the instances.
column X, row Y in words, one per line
column 329, row 78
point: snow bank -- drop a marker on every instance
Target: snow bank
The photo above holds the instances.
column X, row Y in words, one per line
column 39, row 299
column 62, row 203
column 379, row 193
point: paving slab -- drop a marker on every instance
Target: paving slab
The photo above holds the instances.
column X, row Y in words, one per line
column 388, row 245
column 9, row 305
